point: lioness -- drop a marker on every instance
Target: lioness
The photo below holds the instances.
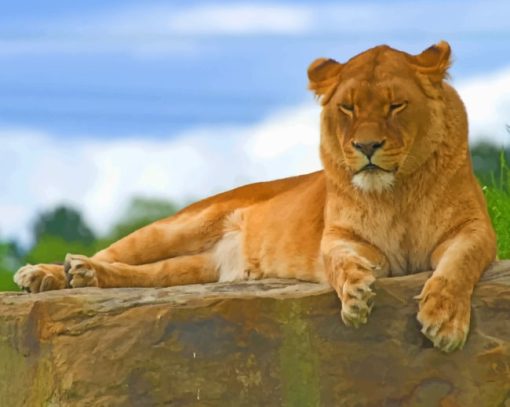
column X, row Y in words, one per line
column 397, row 195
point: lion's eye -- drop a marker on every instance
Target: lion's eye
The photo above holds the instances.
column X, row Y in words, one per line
column 346, row 108
column 397, row 107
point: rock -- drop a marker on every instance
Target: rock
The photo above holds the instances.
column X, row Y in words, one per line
column 268, row 342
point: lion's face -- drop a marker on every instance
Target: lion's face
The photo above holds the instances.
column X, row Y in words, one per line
column 376, row 116
column 377, row 119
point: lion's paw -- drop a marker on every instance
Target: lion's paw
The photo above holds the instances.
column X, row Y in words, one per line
column 80, row 271
column 357, row 298
column 444, row 314
column 40, row 277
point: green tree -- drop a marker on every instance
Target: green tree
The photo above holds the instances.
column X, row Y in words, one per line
column 58, row 232
column 11, row 255
column 50, row 249
column 486, row 159
column 64, row 222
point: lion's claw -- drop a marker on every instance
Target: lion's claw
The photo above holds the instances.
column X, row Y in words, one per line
column 79, row 271
column 357, row 300
column 40, row 277
column 444, row 315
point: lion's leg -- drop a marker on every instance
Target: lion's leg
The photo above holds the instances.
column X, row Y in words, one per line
column 183, row 234
column 83, row 271
column 445, row 301
column 352, row 267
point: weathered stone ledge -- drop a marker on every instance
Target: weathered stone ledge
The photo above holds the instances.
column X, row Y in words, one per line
column 270, row 342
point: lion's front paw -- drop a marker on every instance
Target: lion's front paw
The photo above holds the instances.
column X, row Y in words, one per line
column 444, row 314
column 357, row 297
column 79, row 271
column 40, row 277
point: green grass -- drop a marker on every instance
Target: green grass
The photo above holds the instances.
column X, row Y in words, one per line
column 6, row 283
column 497, row 194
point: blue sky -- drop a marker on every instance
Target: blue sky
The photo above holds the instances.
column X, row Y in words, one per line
column 104, row 100
column 119, row 68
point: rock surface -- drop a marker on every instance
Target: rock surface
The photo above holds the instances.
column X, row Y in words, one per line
column 259, row 343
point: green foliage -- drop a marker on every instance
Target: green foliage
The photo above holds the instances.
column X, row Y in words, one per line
column 6, row 283
column 63, row 230
column 10, row 259
column 497, row 194
column 64, row 222
column 58, row 232
column 10, row 256
column 49, row 249
column 487, row 159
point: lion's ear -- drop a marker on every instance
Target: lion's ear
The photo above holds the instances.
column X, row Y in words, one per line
column 323, row 75
column 434, row 61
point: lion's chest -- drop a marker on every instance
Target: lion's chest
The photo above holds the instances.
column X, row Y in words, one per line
column 406, row 248
column 407, row 240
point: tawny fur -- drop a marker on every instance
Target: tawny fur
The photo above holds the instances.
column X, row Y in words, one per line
column 419, row 209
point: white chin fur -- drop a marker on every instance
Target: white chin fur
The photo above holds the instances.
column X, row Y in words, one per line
column 373, row 181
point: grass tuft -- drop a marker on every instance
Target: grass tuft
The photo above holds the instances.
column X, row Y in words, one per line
column 497, row 194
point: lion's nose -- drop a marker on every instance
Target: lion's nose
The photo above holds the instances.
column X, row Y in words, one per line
column 368, row 148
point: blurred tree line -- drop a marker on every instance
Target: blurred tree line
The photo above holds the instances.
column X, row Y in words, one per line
column 488, row 162
column 63, row 229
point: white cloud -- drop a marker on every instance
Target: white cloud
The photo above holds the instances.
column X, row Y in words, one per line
column 158, row 30
column 100, row 177
column 239, row 19
column 269, row 17
column 433, row 17
column 179, row 29
column 150, row 22
column 487, row 100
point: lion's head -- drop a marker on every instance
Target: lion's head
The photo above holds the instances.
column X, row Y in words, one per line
column 380, row 112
